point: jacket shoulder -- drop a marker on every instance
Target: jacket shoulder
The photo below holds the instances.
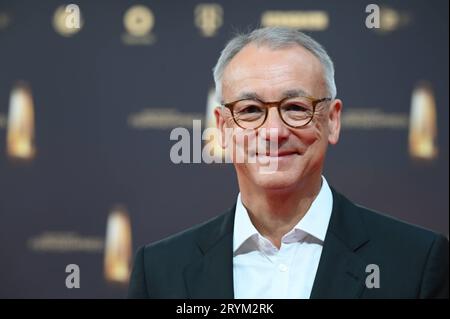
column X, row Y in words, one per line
column 390, row 236
column 159, row 267
column 185, row 243
column 413, row 260
column 379, row 224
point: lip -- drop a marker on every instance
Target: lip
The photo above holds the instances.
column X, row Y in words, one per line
column 279, row 154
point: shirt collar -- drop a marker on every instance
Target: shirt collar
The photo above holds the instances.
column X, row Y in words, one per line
column 315, row 222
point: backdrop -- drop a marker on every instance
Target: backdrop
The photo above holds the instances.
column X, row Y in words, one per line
column 89, row 94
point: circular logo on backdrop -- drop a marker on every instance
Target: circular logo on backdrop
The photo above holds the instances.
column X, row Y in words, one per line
column 138, row 20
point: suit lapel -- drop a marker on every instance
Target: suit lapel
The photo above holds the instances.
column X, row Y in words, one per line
column 341, row 272
column 211, row 276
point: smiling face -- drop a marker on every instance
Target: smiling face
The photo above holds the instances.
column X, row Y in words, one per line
column 271, row 75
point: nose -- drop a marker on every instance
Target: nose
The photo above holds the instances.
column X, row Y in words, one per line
column 274, row 129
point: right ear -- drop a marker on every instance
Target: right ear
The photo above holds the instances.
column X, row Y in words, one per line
column 220, row 124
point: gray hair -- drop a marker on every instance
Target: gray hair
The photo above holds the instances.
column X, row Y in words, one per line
column 275, row 38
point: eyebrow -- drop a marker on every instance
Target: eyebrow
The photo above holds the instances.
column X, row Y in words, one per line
column 285, row 94
column 248, row 95
column 294, row 93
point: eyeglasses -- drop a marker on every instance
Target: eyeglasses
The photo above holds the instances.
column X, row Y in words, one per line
column 295, row 112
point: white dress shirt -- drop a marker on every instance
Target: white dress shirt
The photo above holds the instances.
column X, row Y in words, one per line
column 261, row 270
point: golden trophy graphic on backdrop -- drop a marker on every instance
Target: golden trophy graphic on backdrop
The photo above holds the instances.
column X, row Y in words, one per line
column 20, row 124
column 422, row 125
column 118, row 247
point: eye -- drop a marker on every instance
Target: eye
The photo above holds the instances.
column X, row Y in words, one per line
column 295, row 107
column 250, row 109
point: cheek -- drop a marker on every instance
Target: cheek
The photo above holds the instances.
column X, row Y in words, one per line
column 243, row 145
column 316, row 133
column 309, row 136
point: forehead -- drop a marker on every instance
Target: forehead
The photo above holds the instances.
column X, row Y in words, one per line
column 268, row 72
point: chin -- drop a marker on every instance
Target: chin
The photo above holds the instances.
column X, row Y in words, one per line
column 278, row 180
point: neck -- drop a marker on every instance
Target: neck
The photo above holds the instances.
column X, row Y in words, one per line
column 276, row 212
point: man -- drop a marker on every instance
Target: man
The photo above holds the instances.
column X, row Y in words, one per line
column 289, row 235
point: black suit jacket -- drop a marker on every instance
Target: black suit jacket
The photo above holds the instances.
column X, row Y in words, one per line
column 198, row 263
